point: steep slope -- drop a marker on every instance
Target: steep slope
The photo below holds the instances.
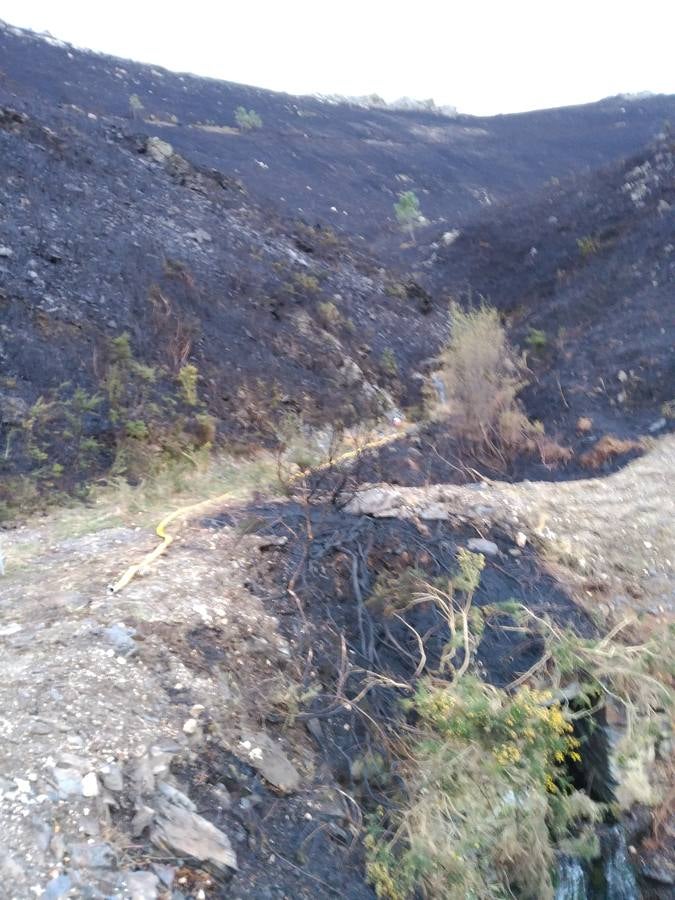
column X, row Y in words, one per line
column 166, row 282
column 105, row 235
column 337, row 164
column 585, row 275
column 228, row 722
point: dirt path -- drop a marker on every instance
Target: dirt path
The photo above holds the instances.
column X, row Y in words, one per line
column 107, row 698
column 131, row 723
column 614, row 536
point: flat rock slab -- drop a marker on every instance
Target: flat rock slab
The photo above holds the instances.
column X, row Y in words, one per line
column 480, row 545
column 266, row 757
column 187, row 834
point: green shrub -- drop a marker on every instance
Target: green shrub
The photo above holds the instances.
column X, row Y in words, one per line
column 388, row 362
column 536, row 339
column 588, row 245
column 247, row 119
column 481, row 377
column 136, row 107
column 206, row 430
column 408, row 212
column 188, row 376
column 329, row 314
column 137, row 430
column 484, row 802
column 397, row 290
column 307, row 283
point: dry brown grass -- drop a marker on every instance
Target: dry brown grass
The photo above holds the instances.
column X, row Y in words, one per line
column 607, row 448
column 216, row 129
column 482, row 375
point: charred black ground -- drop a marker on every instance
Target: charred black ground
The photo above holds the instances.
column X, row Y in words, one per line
column 169, row 279
column 270, row 260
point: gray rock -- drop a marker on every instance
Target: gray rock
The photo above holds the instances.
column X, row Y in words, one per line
column 92, row 856
column 143, row 819
column 57, row 846
column 142, row 777
column 173, row 795
column 42, row 834
column 267, row 757
column 67, row 781
column 90, row 825
column 6, row 786
column 67, row 760
column 40, row 726
column 11, row 870
column 313, row 725
column 221, row 796
column 158, row 149
column 187, row 834
column 166, row 745
column 111, row 776
column 166, row 874
column 57, row 887
column 13, row 410
column 142, row 885
column 121, row 637
column 658, row 869
column 6, row 252
column 200, row 236
column 480, row 545
column 90, row 785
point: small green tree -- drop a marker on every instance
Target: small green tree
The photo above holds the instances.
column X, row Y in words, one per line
column 247, row 119
column 408, row 211
column 136, row 107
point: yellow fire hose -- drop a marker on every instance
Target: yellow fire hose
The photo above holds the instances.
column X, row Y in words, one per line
column 185, row 512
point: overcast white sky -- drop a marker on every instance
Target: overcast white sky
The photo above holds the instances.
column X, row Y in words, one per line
column 483, row 56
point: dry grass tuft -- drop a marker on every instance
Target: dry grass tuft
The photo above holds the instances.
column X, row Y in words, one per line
column 481, row 376
column 607, row 448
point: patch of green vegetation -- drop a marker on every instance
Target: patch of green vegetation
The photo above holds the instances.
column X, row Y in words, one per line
column 307, row 283
column 206, row 430
column 328, row 313
column 137, row 430
column 388, row 363
column 139, row 421
column 136, row 107
column 484, row 803
column 536, row 339
column 408, row 211
column 397, row 290
column 588, row 246
column 247, row 119
column 188, row 376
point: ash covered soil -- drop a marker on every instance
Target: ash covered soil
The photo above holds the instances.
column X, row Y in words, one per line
column 202, row 718
column 221, row 249
column 194, row 735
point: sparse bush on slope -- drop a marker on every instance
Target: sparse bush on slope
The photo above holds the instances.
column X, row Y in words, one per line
column 247, row 119
column 483, row 803
column 481, row 377
column 408, row 212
